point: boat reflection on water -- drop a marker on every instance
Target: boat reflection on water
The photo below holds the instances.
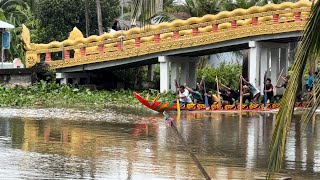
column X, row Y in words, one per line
column 228, row 145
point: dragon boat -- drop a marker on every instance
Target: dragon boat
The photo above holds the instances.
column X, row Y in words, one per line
column 171, row 106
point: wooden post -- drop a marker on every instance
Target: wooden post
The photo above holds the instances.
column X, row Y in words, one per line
column 241, row 94
column 275, row 89
column 218, row 93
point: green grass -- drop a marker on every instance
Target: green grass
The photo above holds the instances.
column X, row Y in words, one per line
column 52, row 95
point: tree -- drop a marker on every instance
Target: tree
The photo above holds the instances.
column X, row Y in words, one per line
column 199, row 8
column 86, row 14
column 99, row 15
column 13, row 11
column 69, row 14
column 143, row 11
column 307, row 50
column 16, row 12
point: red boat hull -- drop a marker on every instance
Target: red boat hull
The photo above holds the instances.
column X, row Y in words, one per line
column 170, row 106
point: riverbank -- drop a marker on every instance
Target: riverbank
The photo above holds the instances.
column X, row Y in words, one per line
column 51, row 95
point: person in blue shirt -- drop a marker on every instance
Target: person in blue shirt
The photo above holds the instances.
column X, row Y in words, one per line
column 309, row 83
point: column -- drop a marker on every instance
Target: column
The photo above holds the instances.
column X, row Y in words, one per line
column 174, row 74
column 76, row 80
column 150, row 72
column 63, row 81
column 184, row 73
column 164, row 73
column 192, row 74
column 284, row 61
column 275, row 60
column 254, row 56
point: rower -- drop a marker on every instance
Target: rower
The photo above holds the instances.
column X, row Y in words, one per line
column 253, row 90
column 195, row 95
column 268, row 91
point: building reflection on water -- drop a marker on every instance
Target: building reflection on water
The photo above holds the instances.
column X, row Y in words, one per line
column 230, row 145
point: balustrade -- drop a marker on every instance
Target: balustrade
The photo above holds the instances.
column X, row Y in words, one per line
column 141, row 40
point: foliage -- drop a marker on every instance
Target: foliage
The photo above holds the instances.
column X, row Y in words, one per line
column 226, row 73
column 199, row 8
column 143, row 11
column 230, row 5
column 131, row 77
column 16, row 12
column 64, row 96
column 309, row 49
column 69, row 14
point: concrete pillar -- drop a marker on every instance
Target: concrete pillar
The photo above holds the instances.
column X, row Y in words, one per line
column 164, row 73
column 63, row 81
column 184, row 73
column 284, row 60
column 263, row 67
column 150, row 72
column 76, row 80
column 75, row 77
column 192, row 74
column 254, row 57
column 275, row 60
column 174, row 74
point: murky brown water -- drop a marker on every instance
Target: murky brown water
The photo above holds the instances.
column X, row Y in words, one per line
column 53, row 143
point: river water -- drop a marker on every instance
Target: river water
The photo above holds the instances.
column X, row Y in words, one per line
column 109, row 144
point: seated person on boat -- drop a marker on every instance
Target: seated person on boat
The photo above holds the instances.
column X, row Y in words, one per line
column 195, row 95
column 229, row 95
column 254, row 91
column 268, row 91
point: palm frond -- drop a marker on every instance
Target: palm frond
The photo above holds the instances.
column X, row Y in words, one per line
column 309, row 47
column 313, row 103
column 163, row 17
column 143, row 11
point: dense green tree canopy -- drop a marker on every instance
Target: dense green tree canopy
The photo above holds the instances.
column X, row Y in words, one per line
column 58, row 17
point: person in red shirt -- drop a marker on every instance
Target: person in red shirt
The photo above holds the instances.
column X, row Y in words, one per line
column 268, row 91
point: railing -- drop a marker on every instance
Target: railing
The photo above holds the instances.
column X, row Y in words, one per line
column 269, row 19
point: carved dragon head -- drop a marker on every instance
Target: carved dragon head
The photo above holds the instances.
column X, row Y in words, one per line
column 25, row 37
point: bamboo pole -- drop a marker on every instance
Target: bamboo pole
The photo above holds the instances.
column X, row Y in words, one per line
column 219, row 102
column 205, row 97
column 275, row 89
column 241, row 93
column 183, row 142
column 178, row 106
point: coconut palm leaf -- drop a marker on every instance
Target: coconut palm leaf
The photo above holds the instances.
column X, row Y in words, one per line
column 309, row 47
column 143, row 11
column 163, row 17
column 313, row 104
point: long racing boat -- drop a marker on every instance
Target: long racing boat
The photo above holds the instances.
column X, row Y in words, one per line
column 171, row 106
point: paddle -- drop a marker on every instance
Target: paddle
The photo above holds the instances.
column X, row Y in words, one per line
column 178, row 106
column 241, row 93
column 275, row 89
column 265, row 88
column 169, row 122
column 205, row 96
column 218, row 91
